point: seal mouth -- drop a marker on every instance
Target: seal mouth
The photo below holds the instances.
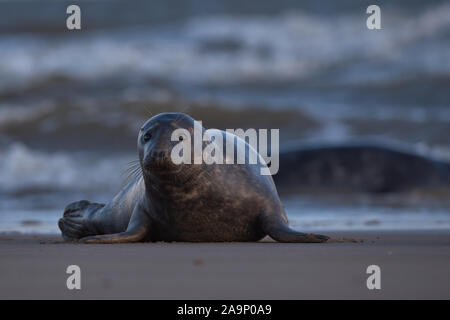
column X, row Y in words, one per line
column 161, row 166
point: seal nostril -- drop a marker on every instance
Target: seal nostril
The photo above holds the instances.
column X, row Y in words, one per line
column 156, row 157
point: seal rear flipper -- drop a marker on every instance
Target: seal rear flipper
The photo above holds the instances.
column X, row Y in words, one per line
column 82, row 205
column 123, row 237
column 138, row 230
column 77, row 221
column 280, row 231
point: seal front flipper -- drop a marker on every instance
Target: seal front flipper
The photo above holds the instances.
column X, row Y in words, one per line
column 280, row 231
column 138, row 229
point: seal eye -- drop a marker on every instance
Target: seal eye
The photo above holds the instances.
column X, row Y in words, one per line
column 180, row 138
column 146, row 137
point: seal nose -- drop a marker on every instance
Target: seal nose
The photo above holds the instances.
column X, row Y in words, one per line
column 158, row 155
column 158, row 158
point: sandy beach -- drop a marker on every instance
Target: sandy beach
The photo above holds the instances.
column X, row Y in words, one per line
column 413, row 265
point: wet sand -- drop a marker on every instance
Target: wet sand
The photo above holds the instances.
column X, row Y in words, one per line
column 413, row 265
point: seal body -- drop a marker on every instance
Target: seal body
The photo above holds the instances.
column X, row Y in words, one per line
column 359, row 167
column 185, row 202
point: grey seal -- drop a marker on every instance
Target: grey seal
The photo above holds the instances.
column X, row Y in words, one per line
column 369, row 167
column 184, row 202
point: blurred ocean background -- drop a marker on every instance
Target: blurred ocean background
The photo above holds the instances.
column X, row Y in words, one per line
column 71, row 102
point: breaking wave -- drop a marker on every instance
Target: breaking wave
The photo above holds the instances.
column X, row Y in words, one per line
column 23, row 169
column 224, row 50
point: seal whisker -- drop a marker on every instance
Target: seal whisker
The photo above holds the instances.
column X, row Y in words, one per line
column 131, row 168
column 132, row 172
